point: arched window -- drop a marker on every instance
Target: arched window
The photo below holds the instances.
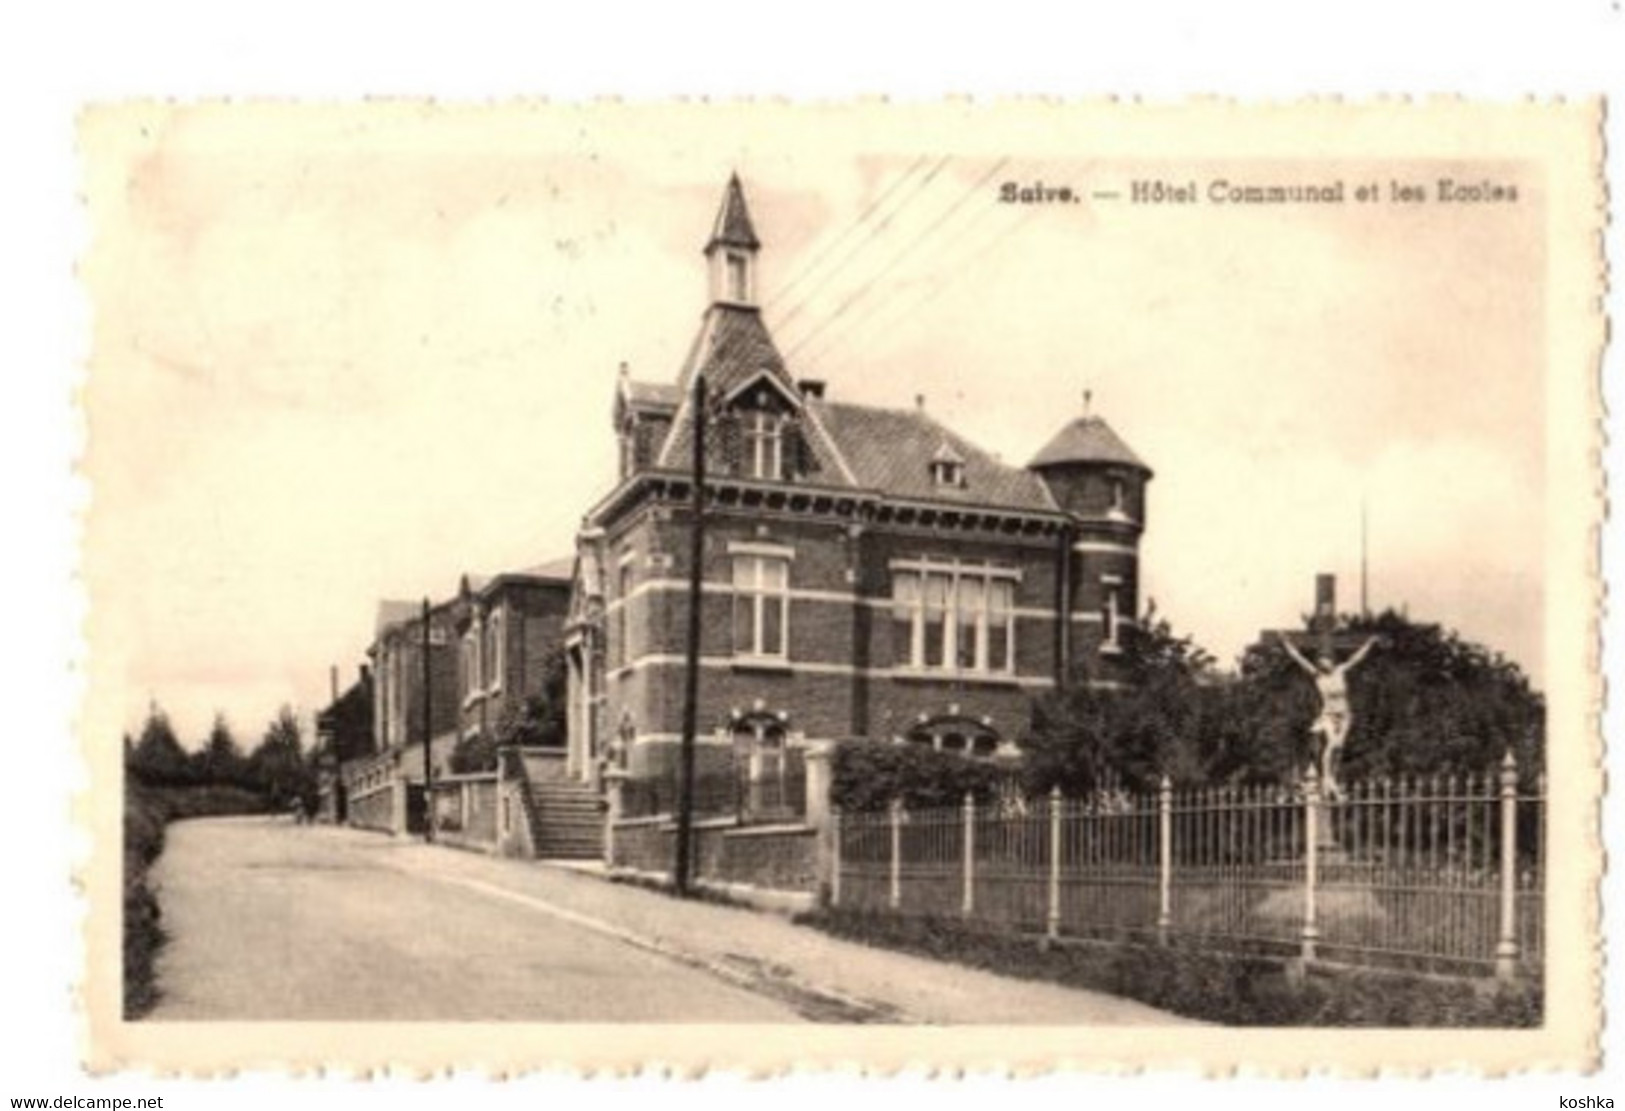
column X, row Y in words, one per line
column 768, row 773
column 962, row 736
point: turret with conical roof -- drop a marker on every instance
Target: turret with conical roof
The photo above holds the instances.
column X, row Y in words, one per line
column 1098, row 480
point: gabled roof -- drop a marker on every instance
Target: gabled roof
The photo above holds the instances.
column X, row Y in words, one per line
column 563, row 569
column 651, row 395
column 891, row 451
column 394, row 611
column 733, row 227
column 732, row 348
column 1088, row 439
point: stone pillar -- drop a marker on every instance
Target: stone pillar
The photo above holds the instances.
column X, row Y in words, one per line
column 397, row 798
column 1506, row 947
column 615, row 778
column 820, row 816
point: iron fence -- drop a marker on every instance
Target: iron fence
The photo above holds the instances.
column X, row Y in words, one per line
column 1440, row 874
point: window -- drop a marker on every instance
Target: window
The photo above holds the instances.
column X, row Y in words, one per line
column 1119, row 507
column 1001, row 624
column 960, row 736
column 769, row 774
column 764, row 446
column 958, row 619
column 761, row 605
column 738, row 277
column 947, row 466
column 472, row 678
column 623, row 645
column 938, row 589
column 905, row 591
column 1109, row 621
column 969, row 607
column 493, row 651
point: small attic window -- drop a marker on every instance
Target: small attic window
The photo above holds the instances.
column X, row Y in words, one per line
column 947, row 467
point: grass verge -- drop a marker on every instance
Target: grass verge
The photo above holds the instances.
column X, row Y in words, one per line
column 147, row 811
column 1226, row 988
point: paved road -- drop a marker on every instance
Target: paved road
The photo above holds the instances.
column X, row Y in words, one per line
column 271, row 921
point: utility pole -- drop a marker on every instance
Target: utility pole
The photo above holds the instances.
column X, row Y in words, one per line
column 428, row 731
column 691, row 692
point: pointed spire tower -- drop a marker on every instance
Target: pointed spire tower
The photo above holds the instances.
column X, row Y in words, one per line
column 732, row 250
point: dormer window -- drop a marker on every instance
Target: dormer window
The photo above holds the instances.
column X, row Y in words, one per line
column 764, row 446
column 947, row 468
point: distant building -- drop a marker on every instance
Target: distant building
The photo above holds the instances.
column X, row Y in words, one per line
column 344, row 733
column 868, row 572
column 510, row 630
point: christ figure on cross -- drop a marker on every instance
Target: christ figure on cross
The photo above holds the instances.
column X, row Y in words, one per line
column 1336, row 718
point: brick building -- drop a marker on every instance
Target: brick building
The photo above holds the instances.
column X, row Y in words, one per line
column 509, row 627
column 344, row 734
column 867, row 572
column 489, row 648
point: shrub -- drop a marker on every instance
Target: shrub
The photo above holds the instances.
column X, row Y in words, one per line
column 867, row 775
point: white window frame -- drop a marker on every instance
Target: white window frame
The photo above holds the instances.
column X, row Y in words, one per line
column 756, row 594
column 920, row 574
column 764, row 444
column 493, row 634
column 1111, row 621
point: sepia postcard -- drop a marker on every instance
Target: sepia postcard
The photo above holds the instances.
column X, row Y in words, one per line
column 1012, row 585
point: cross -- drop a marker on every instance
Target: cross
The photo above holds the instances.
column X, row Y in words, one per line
column 1322, row 638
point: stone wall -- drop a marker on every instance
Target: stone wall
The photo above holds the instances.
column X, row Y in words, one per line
column 782, row 858
column 375, row 809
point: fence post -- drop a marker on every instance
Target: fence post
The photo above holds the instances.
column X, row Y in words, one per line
column 1052, row 921
column 894, row 894
column 1506, row 949
column 967, row 901
column 1311, row 836
column 835, row 856
column 1165, row 859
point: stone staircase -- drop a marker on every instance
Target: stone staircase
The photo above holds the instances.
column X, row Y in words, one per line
column 565, row 821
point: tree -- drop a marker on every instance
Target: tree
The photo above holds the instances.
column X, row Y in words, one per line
column 221, row 760
column 277, row 767
column 158, row 756
column 1157, row 723
column 1425, row 702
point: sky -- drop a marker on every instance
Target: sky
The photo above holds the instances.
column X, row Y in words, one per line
column 346, row 354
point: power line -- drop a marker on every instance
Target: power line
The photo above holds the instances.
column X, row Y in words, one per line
column 846, row 232
column 948, row 274
column 806, row 299
column 924, row 237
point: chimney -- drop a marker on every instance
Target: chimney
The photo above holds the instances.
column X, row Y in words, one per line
column 333, row 681
column 811, row 387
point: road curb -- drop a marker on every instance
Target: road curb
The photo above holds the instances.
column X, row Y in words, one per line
column 818, row 1001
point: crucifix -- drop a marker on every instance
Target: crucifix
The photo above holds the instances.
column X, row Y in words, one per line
column 1324, row 642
